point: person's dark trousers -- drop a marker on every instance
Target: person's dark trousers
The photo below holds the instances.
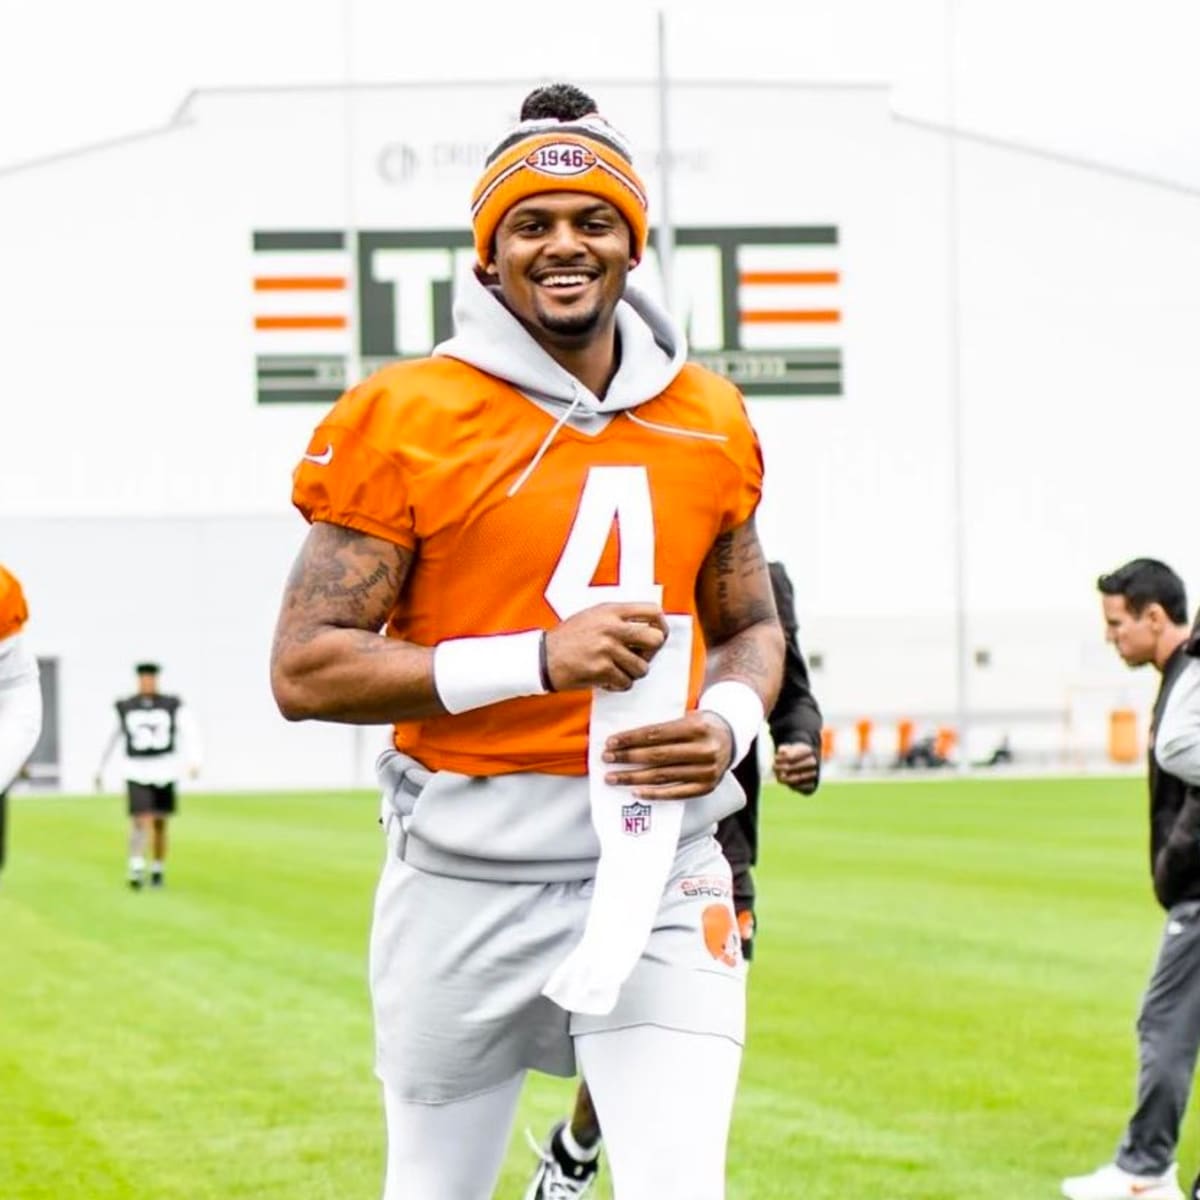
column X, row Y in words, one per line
column 1168, row 1030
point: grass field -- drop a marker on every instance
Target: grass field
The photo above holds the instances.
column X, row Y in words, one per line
column 941, row 1004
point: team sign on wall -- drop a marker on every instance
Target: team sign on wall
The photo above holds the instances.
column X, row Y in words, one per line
column 761, row 305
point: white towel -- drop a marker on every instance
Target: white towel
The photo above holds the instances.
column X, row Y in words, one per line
column 638, row 838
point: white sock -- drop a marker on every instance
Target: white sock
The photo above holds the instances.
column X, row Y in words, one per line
column 156, row 866
column 581, row 1154
column 137, row 864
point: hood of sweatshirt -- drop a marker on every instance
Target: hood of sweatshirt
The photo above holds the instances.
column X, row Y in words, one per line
column 653, row 351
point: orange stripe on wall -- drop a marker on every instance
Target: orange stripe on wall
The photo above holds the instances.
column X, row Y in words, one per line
column 790, row 277
column 790, row 316
column 300, row 283
column 299, row 322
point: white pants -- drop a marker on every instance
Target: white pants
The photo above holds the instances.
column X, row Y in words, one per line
column 664, row 1099
column 20, row 709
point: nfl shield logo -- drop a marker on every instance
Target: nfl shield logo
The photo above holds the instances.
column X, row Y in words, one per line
column 635, row 819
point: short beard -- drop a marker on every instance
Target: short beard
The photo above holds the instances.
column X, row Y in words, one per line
column 571, row 327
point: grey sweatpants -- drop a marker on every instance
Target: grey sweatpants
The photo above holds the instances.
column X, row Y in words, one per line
column 457, row 968
column 1168, row 1029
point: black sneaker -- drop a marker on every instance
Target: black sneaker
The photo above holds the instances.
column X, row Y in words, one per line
column 558, row 1175
column 156, row 879
column 135, row 882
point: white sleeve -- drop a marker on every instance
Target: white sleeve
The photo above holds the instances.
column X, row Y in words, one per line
column 20, row 710
column 193, row 751
column 1177, row 740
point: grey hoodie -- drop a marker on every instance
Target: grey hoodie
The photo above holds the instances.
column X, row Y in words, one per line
column 653, row 352
column 530, row 826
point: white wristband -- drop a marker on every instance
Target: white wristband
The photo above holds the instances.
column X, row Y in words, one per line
column 471, row 672
column 739, row 705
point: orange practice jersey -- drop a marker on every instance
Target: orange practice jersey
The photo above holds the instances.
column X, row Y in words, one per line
column 424, row 454
column 13, row 611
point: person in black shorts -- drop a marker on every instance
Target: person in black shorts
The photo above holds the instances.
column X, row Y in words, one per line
column 569, row 1160
column 159, row 736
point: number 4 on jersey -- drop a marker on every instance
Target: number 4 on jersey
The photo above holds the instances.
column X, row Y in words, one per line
column 610, row 494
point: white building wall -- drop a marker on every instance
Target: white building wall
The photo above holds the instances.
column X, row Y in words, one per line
column 144, row 494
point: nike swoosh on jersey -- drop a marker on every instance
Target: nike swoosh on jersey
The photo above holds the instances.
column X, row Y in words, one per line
column 323, row 459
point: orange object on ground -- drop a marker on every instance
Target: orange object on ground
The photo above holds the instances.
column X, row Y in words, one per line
column 1123, row 736
column 828, row 742
column 945, row 741
column 863, row 730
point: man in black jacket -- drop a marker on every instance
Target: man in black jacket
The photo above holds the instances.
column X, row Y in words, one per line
column 569, row 1160
column 1177, row 749
column 795, row 725
column 1145, row 613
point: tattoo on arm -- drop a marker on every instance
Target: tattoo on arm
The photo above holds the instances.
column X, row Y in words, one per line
column 341, row 579
column 737, row 611
column 735, row 585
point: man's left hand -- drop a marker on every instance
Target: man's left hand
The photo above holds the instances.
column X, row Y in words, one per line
column 673, row 760
column 796, row 765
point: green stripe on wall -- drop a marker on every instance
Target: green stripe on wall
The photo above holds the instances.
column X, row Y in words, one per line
column 299, row 239
column 298, row 396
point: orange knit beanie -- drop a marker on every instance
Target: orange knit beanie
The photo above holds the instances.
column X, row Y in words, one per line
column 548, row 155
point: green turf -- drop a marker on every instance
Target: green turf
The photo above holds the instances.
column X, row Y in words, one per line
column 941, row 1005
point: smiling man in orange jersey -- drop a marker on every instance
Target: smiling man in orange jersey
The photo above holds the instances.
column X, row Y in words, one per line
column 552, row 520
column 20, row 693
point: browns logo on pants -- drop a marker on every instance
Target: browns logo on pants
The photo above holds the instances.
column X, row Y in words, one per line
column 721, row 934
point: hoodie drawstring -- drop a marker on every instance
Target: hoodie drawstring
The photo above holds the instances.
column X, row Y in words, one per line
column 576, row 397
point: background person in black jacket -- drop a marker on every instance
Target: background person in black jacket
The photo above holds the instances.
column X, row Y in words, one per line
column 1177, row 749
column 1145, row 614
column 795, row 725
column 569, row 1160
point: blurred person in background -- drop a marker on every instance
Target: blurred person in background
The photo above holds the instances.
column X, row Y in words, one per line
column 161, row 741
column 1177, row 748
column 1145, row 617
column 552, row 519
column 569, row 1161
column 20, row 694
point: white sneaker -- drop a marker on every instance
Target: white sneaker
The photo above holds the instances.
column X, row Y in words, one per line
column 1111, row 1183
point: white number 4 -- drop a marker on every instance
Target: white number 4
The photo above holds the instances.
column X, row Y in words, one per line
column 619, row 495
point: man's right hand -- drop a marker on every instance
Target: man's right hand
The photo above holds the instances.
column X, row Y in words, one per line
column 608, row 646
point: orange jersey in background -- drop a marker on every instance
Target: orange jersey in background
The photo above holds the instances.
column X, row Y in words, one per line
column 425, row 455
column 13, row 610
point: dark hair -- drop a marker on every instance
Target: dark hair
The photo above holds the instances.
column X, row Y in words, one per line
column 557, row 101
column 147, row 668
column 1145, row 581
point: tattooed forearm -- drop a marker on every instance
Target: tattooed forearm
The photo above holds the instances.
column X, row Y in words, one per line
column 755, row 656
